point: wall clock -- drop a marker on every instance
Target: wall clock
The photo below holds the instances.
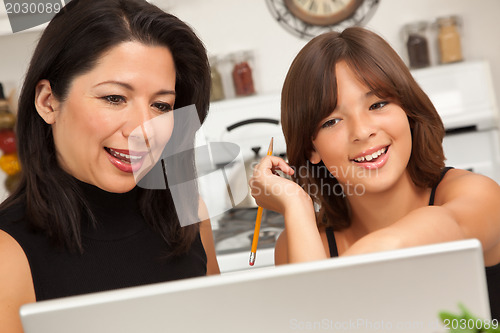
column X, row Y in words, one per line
column 309, row 18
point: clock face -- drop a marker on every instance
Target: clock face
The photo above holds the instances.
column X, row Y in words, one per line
column 309, row 18
column 323, row 12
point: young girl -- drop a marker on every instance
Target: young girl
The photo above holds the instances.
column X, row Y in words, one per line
column 78, row 223
column 364, row 147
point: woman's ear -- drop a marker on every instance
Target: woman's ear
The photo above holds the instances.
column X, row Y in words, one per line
column 45, row 102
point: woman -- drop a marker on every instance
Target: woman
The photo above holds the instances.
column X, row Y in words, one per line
column 78, row 223
column 364, row 147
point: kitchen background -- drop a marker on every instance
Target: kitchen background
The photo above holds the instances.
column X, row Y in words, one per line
column 228, row 27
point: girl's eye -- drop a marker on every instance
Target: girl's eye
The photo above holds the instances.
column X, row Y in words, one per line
column 114, row 99
column 163, row 107
column 378, row 105
column 330, row 123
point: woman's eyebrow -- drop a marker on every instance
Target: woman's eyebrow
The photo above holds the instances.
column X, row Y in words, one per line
column 129, row 87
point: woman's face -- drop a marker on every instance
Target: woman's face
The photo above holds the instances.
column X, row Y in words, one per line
column 102, row 130
column 366, row 141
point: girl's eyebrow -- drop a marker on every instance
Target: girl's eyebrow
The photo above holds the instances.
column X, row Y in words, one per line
column 375, row 92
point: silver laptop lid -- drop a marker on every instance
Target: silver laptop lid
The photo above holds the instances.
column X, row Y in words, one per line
column 401, row 291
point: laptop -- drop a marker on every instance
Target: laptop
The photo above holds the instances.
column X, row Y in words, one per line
column 401, row 291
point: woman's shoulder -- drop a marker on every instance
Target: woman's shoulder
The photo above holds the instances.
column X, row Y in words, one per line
column 16, row 281
column 15, row 272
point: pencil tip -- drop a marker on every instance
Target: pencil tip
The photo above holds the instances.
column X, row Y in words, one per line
column 270, row 149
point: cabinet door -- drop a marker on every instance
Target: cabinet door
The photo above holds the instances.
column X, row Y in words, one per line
column 476, row 151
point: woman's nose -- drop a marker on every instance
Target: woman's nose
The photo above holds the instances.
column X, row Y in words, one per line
column 135, row 122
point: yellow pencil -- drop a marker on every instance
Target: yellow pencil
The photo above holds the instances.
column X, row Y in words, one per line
column 255, row 241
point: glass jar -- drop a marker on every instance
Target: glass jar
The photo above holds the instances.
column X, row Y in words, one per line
column 4, row 105
column 450, row 48
column 242, row 74
column 216, row 89
column 416, row 43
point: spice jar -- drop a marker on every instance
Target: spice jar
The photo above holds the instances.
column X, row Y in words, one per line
column 4, row 105
column 9, row 161
column 216, row 89
column 449, row 39
column 416, row 44
column 242, row 74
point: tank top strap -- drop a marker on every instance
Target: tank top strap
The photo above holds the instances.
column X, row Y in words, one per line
column 332, row 244
column 433, row 191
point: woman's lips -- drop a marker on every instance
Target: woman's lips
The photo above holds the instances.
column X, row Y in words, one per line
column 125, row 160
column 373, row 159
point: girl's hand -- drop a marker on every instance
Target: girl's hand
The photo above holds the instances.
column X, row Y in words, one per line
column 272, row 191
column 301, row 240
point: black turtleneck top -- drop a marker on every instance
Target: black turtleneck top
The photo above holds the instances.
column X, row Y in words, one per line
column 121, row 251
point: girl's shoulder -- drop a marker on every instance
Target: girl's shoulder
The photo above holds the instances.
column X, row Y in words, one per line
column 462, row 183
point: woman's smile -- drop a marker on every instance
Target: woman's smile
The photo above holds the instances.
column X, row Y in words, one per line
column 125, row 160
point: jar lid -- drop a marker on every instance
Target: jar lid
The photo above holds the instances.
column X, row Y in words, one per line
column 416, row 26
column 446, row 21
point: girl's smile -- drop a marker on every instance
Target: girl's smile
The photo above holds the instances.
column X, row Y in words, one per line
column 373, row 158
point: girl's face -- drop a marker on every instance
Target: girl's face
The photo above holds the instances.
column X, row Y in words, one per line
column 102, row 131
column 366, row 141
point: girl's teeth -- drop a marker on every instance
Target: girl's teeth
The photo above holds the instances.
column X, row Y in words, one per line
column 370, row 157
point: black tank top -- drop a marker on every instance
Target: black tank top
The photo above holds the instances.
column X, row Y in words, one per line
column 123, row 251
column 492, row 272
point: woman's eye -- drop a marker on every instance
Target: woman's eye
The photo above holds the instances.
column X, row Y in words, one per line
column 378, row 105
column 330, row 123
column 114, row 99
column 163, row 107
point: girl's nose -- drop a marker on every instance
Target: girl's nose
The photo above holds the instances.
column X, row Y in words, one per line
column 361, row 127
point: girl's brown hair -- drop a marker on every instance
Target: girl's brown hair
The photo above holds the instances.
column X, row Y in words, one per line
column 310, row 94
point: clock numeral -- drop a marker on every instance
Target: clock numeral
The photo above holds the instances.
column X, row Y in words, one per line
column 313, row 7
column 327, row 8
column 337, row 4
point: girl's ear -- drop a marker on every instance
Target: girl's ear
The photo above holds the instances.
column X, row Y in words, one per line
column 314, row 157
column 45, row 102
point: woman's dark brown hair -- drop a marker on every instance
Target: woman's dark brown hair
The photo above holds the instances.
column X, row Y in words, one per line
column 310, row 94
column 70, row 46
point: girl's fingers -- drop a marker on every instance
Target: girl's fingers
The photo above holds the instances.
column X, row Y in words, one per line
column 271, row 163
